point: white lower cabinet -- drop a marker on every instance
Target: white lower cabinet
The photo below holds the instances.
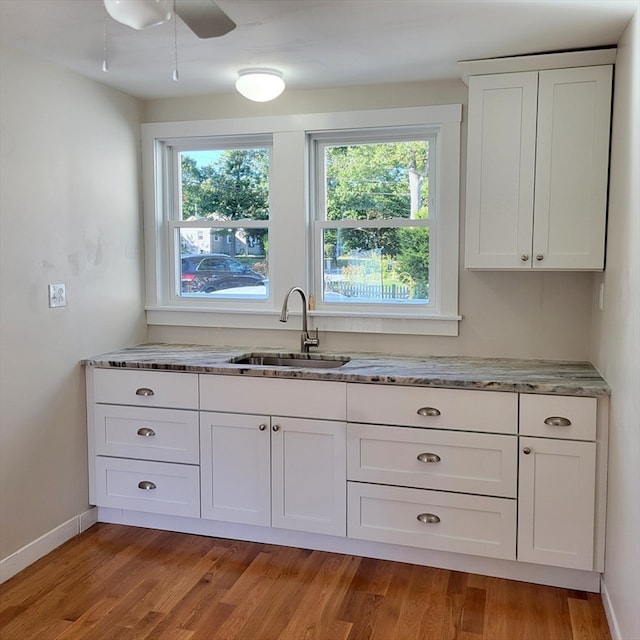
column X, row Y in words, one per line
column 282, row 472
column 143, row 440
column 556, row 502
column 498, row 475
column 450, row 488
column 154, row 487
column 236, row 467
column 477, row 525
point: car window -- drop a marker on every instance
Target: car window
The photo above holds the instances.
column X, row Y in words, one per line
column 233, row 265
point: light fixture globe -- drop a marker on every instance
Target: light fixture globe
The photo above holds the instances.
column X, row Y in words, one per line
column 140, row 14
column 260, row 85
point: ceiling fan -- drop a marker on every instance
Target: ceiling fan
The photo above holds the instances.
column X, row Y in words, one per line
column 203, row 17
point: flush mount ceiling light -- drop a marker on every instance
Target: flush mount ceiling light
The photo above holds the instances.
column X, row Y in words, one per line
column 260, row 85
column 140, row 14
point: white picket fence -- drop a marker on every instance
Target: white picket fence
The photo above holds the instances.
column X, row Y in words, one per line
column 374, row 291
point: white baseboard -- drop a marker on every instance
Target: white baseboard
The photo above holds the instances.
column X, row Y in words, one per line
column 22, row 558
column 510, row 569
column 614, row 629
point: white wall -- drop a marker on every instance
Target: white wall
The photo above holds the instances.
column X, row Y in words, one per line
column 529, row 315
column 616, row 344
column 69, row 212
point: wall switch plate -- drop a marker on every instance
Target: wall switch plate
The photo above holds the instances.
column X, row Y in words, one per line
column 57, row 295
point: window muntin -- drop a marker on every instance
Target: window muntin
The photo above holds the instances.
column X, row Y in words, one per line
column 373, row 217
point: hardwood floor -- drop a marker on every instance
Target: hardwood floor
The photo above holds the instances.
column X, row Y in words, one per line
column 124, row 583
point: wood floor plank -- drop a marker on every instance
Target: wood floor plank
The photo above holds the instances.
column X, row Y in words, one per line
column 123, row 583
column 387, row 617
column 473, row 610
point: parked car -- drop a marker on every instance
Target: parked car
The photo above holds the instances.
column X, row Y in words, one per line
column 209, row 272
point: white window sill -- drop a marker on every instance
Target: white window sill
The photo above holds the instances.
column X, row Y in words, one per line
column 349, row 322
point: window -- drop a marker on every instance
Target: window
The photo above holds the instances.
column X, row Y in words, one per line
column 217, row 218
column 373, row 214
column 359, row 208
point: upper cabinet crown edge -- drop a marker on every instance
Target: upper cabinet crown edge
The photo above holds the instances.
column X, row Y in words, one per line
column 538, row 62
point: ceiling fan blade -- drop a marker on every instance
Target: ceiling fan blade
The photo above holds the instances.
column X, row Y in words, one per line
column 204, row 18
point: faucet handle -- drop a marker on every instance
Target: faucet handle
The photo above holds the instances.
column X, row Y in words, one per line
column 308, row 341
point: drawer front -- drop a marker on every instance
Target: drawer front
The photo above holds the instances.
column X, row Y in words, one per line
column 146, row 388
column 295, row 398
column 174, row 489
column 167, row 435
column 563, row 417
column 429, row 459
column 476, row 525
column 492, row 411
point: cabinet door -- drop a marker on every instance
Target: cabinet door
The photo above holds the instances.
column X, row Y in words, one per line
column 308, row 475
column 234, row 468
column 556, row 502
column 572, row 158
column 501, row 143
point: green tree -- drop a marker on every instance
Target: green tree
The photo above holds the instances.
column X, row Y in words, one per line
column 377, row 182
column 234, row 187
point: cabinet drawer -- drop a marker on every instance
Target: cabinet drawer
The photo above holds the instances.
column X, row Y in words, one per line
column 296, row 398
column 430, row 459
column 167, row 435
column 146, row 388
column 492, row 411
column 476, row 525
column 173, row 488
column 563, row 417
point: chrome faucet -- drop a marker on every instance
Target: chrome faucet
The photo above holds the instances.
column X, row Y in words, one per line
column 306, row 340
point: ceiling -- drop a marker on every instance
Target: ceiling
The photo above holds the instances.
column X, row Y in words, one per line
column 315, row 43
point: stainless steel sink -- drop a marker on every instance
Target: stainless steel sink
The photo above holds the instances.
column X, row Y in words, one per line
column 303, row 360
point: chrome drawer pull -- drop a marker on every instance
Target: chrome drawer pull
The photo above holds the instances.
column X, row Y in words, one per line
column 428, row 518
column 146, row 432
column 147, row 485
column 144, row 391
column 429, row 412
column 555, row 421
column 428, row 457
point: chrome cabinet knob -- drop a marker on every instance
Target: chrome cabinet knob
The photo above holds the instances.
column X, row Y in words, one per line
column 146, row 432
column 262, row 427
column 428, row 518
column 539, row 257
column 428, row 457
column 428, row 412
column 276, row 427
column 144, row 391
column 524, row 257
column 147, row 485
column 526, row 451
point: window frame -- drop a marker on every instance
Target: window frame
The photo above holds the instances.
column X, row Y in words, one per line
column 291, row 250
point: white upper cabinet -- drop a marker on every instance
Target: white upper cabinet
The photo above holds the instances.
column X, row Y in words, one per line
column 537, row 167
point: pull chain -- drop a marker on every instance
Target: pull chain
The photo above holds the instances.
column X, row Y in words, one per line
column 176, row 76
column 105, row 53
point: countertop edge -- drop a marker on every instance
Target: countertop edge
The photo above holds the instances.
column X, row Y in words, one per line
column 455, row 372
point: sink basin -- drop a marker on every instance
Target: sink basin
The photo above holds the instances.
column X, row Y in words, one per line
column 306, row 360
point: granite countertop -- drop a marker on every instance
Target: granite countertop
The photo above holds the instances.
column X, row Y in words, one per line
column 453, row 372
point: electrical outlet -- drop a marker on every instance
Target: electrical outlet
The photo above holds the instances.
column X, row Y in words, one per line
column 57, row 295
